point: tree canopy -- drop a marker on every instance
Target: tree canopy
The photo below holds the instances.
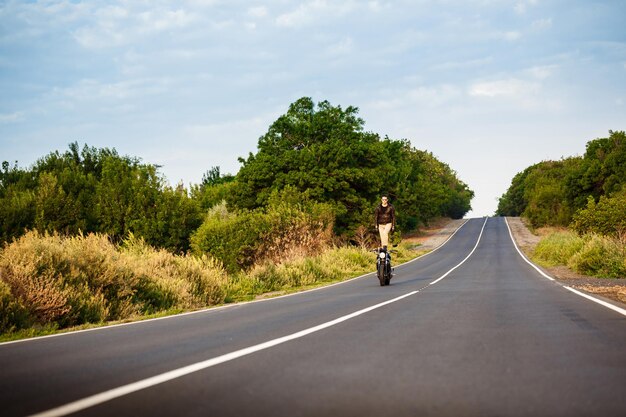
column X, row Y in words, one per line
column 323, row 152
column 95, row 190
column 316, row 154
column 556, row 192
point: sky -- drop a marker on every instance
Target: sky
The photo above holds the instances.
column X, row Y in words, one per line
column 490, row 87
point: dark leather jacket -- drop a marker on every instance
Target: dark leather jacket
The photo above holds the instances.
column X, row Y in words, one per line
column 384, row 215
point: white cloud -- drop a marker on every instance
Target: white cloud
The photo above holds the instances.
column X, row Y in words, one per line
column 511, row 87
column 542, row 24
column 161, row 20
column 418, row 97
column 11, row 118
column 112, row 26
column 342, row 47
column 259, row 12
column 376, row 6
column 256, row 126
column 541, row 72
column 472, row 63
column 527, row 94
column 511, row 36
column 522, row 6
column 314, row 11
column 202, row 3
column 89, row 90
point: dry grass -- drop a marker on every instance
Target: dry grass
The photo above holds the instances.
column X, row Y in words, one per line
column 617, row 293
column 51, row 280
column 299, row 239
column 331, row 265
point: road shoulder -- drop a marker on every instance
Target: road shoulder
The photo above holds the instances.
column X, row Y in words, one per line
column 611, row 290
column 434, row 235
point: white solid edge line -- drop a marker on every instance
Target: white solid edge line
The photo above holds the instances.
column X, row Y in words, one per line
column 524, row 256
column 177, row 373
column 111, row 394
column 221, row 307
column 601, row 302
column 587, row 296
column 466, row 258
column 432, row 251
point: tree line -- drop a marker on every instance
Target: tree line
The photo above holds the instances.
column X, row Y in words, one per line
column 585, row 192
column 95, row 190
column 315, row 161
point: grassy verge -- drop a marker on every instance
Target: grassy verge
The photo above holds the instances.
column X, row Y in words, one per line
column 51, row 284
column 590, row 254
column 330, row 266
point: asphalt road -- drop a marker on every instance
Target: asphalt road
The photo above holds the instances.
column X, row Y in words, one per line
column 453, row 335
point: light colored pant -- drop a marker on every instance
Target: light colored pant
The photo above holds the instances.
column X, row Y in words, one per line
column 384, row 230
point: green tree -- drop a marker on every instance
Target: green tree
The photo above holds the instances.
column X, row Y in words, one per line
column 321, row 151
column 17, row 207
column 96, row 190
column 602, row 170
column 552, row 192
column 607, row 217
column 213, row 189
column 513, row 202
column 324, row 153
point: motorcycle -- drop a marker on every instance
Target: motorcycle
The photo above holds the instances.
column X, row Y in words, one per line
column 383, row 265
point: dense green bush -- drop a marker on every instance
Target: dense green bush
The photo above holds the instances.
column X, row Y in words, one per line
column 231, row 238
column 281, row 230
column 540, row 193
column 95, row 190
column 213, row 189
column 553, row 193
column 607, row 217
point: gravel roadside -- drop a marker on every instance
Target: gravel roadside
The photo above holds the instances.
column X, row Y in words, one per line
column 434, row 235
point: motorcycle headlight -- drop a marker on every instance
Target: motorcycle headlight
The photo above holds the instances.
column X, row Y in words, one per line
column 381, row 255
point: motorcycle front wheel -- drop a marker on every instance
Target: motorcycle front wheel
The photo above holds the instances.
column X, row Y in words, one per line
column 387, row 274
column 381, row 273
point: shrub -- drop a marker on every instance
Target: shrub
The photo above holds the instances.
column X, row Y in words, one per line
column 174, row 281
column 13, row 315
column 65, row 281
column 33, row 267
column 600, row 256
column 279, row 232
column 329, row 265
column 590, row 254
column 233, row 239
column 607, row 217
column 558, row 247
